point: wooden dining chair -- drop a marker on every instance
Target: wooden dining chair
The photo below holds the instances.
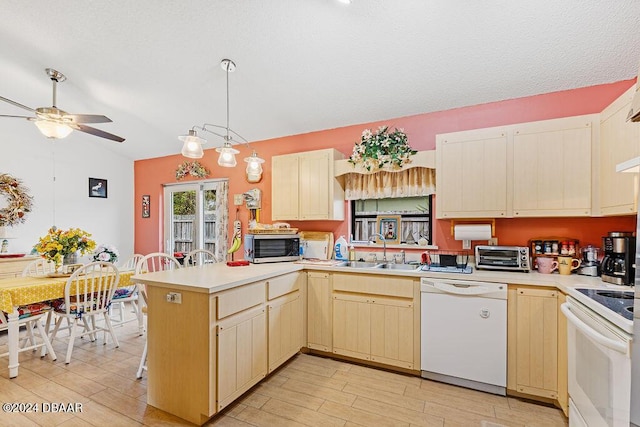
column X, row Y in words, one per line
column 30, row 317
column 39, row 267
column 200, row 257
column 125, row 295
column 87, row 295
column 157, row 261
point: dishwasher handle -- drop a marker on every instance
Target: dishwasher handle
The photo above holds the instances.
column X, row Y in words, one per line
column 451, row 288
column 590, row 332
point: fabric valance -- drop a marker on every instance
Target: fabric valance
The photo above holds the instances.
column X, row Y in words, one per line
column 413, row 182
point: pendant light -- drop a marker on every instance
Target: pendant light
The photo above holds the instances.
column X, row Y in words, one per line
column 192, row 146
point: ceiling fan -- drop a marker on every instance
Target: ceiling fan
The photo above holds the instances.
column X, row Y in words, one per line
column 56, row 123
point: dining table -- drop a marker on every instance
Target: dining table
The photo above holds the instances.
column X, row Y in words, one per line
column 19, row 291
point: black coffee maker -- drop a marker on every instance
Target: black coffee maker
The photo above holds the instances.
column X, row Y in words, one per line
column 619, row 258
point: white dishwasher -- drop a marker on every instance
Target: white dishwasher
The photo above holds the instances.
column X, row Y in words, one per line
column 463, row 331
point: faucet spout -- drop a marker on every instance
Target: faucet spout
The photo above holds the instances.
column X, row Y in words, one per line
column 384, row 245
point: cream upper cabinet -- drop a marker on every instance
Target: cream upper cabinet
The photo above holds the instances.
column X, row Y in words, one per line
column 552, row 168
column 304, row 186
column 472, row 174
column 619, row 141
column 284, row 187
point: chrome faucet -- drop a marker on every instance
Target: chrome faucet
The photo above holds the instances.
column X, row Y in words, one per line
column 384, row 245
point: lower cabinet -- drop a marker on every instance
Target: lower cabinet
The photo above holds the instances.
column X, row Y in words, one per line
column 375, row 328
column 285, row 318
column 319, row 317
column 242, row 354
column 533, row 342
column 379, row 327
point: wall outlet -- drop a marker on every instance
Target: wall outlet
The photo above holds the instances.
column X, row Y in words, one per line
column 174, row 297
column 493, row 241
column 238, row 200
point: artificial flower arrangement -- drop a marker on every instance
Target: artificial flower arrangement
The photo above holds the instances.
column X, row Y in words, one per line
column 58, row 243
column 106, row 253
column 378, row 149
column 191, row 168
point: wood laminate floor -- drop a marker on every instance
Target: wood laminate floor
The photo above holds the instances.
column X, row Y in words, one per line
column 306, row 391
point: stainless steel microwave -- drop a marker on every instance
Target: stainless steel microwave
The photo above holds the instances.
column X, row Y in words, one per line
column 263, row 248
column 515, row 258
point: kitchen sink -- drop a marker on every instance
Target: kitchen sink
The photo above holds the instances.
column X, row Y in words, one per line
column 358, row 264
column 388, row 266
column 409, row 267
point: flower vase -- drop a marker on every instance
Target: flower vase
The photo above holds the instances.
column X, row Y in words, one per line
column 71, row 258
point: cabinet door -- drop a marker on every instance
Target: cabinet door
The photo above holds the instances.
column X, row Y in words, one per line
column 242, row 354
column 537, row 342
column 392, row 332
column 319, row 322
column 284, row 187
column 352, row 317
column 472, row 174
column 552, row 168
column 285, row 328
column 315, row 192
column 619, row 142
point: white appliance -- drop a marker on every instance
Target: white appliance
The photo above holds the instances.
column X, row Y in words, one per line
column 599, row 360
column 464, row 333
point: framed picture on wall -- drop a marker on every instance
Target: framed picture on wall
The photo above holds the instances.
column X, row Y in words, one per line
column 98, row 188
column 146, row 206
column 389, row 227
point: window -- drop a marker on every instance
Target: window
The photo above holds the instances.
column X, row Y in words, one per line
column 415, row 213
column 196, row 217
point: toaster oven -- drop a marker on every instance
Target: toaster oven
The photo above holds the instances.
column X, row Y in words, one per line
column 515, row 258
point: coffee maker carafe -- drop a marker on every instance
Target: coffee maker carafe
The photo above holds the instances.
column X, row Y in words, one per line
column 590, row 265
column 619, row 258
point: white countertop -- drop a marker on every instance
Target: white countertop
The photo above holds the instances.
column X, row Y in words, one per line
column 212, row 278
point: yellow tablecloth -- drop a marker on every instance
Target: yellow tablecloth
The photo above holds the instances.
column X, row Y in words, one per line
column 28, row 290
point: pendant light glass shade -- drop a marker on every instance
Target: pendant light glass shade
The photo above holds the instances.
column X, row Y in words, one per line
column 227, row 157
column 52, row 129
column 254, row 167
column 192, row 147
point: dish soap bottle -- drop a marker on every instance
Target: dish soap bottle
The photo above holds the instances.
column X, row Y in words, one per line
column 341, row 249
column 352, row 253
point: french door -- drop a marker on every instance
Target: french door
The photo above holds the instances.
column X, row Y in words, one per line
column 196, row 217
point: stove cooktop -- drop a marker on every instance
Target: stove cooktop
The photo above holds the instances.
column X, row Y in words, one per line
column 620, row 302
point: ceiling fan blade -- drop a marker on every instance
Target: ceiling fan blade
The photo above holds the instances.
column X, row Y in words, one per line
column 87, row 118
column 17, row 104
column 17, row 117
column 96, row 132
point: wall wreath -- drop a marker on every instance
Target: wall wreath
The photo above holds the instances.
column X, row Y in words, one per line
column 19, row 200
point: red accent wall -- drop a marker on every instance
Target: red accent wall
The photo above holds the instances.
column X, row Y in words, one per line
column 421, row 129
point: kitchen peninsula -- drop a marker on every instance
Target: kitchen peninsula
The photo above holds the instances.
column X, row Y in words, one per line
column 215, row 331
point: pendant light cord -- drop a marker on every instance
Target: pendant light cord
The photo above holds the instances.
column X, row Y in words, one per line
column 53, row 155
column 228, row 65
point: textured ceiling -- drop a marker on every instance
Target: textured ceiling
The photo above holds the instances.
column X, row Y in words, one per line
column 153, row 65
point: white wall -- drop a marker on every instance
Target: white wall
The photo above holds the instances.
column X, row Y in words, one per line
column 29, row 156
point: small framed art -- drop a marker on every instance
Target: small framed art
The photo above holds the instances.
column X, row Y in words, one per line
column 98, row 188
column 389, row 227
column 146, row 206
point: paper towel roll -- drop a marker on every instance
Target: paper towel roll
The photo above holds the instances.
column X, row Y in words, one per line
column 472, row 232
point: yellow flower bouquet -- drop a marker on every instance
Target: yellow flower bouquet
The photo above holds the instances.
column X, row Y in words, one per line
column 58, row 243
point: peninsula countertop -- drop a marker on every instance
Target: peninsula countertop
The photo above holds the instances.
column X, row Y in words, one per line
column 212, row 278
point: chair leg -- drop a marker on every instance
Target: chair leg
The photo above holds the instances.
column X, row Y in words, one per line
column 47, row 344
column 72, row 339
column 107, row 322
column 143, row 362
column 140, row 316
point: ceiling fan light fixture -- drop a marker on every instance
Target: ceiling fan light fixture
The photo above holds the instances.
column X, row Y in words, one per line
column 192, row 147
column 52, row 129
column 227, row 156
